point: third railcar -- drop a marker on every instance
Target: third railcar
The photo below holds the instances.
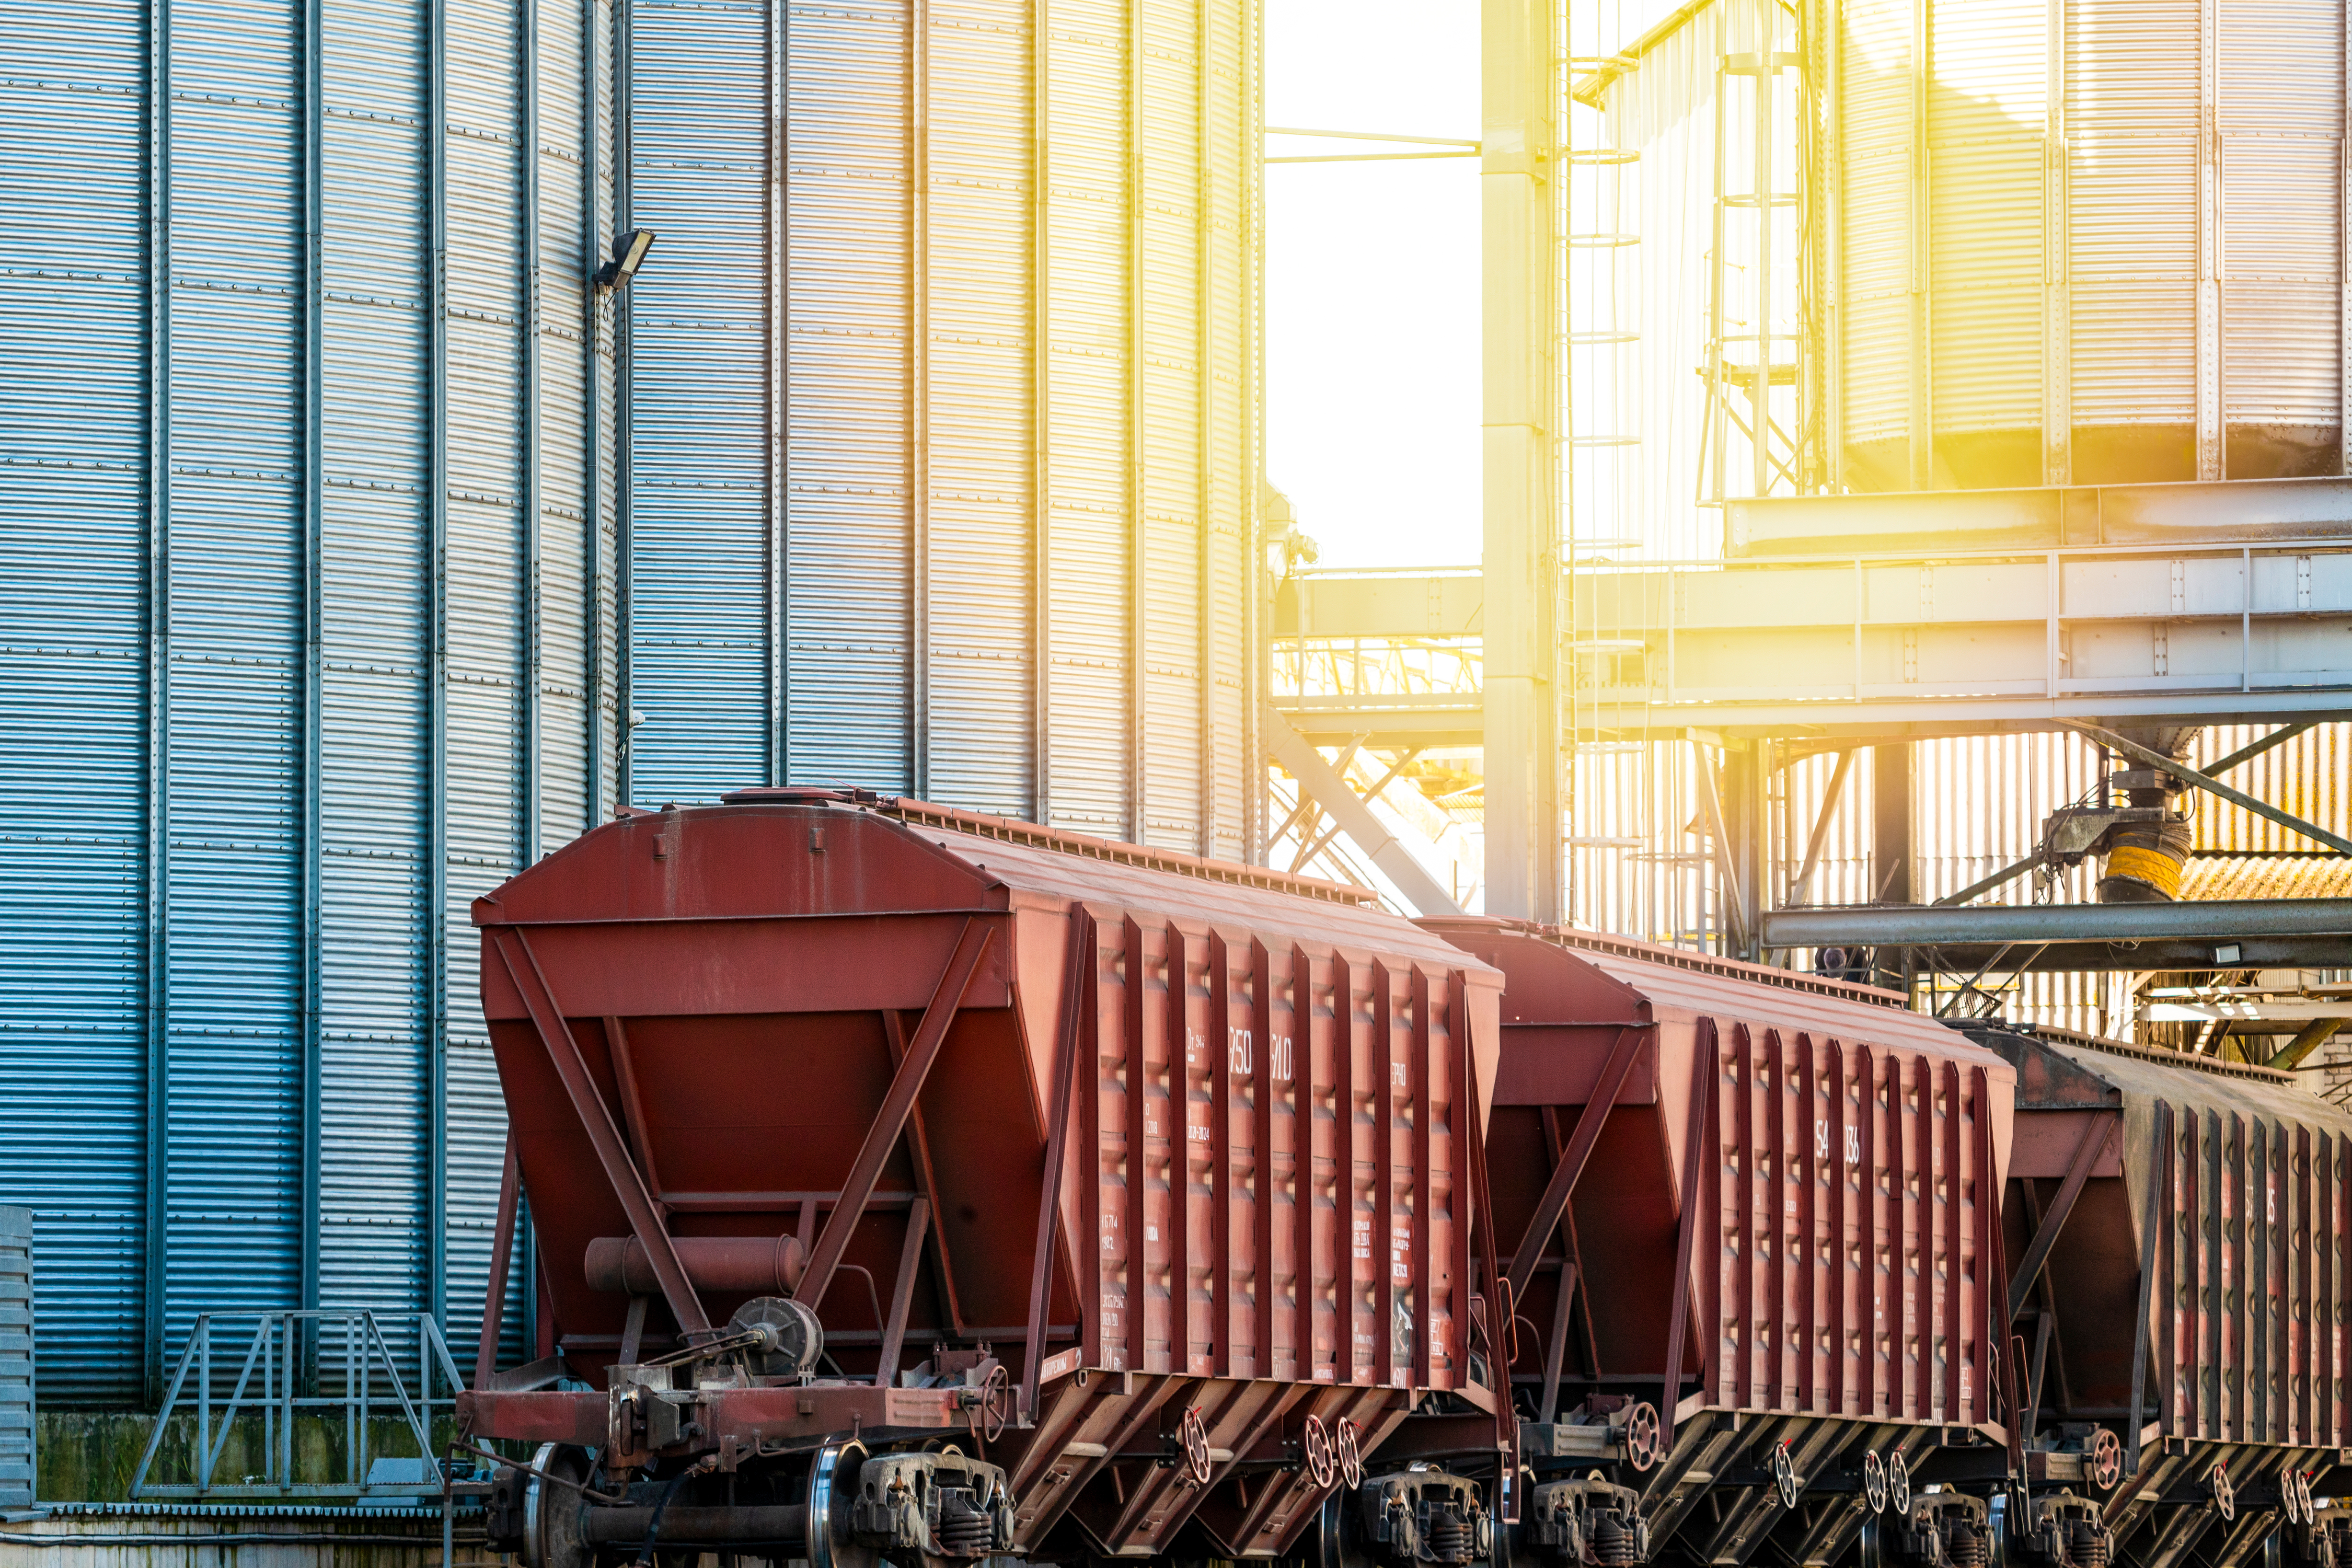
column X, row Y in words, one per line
column 2180, row 1296
column 1767, row 1204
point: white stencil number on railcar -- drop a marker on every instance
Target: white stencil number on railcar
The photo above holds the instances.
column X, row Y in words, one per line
column 1852, row 1142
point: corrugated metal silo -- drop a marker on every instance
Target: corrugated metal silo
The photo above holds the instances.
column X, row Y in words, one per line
column 305, row 447
column 955, row 494
column 2084, row 241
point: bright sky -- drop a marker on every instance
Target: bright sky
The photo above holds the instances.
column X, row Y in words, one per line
column 1373, row 281
column 1372, row 273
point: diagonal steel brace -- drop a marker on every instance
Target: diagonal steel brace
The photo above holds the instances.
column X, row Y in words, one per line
column 882, row 1135
column 1587, row 1132
column 596, row 1121
column 2208, row 782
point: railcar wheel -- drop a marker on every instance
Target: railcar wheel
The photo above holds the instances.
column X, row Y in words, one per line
column 552, row 1536
column 1873, row 1481
column 2105, row 1456
column 1334, row 1545
column 1315, row 1448
column 1642, row 1435
column 832, row 1498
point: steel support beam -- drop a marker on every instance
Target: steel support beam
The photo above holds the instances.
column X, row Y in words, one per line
column 2208, row 782
column 2087, row 1152
column 1563, row 1185
column 562, row 1049
column 2232, row 512
column 1521, row 564
column 1931, row 925
column 1319, row 779
column 897, row 1105
column 1820, row 834
column 2314, row 1035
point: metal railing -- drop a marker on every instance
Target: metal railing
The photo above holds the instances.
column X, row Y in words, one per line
column 271, row 1381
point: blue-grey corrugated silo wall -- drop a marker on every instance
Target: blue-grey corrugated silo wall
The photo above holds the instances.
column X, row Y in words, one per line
column 348, row 568
column 959, row 496
column 306, row 435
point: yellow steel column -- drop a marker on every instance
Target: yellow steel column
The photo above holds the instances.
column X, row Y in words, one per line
column 1521, row 61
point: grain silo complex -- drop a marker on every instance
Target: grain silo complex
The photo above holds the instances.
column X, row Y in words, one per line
column 374, row 531
column 697, row 871
column 2090, row 244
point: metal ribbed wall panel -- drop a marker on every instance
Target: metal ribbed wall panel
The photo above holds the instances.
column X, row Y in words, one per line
column 699, row 462
column 376, row 1040
column 2131, row 130
column 272, row 432
column 73, row 380
column 2145, row 223
column 1092, row 585
column 2280, row 110
column 565, row 596
column 491, row 603
column 235, row 1041
column 1165, row 380
column 1019, row 422
column 980, row 466
column 849, row 437
column 1876, row 234
column 18, row 1470
column 1231, row 315
column 1663, row 112
column 2309, row 776
column 1984, row 193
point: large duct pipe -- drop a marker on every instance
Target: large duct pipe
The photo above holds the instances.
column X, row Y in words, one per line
column 722, row 1264
column 2143, row 861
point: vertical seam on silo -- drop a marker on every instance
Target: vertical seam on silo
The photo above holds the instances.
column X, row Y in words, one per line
column 2057, row 291
column 1203, row 233
column 532, row 704
column 777, row 321
column 1768, row 86
column 1255, row 677
column 2210, row 416
column 436, row 781
column 158, row 589
column 1831, row 170
column 624, row 399
column 1040, row 167
column 1922, row 439
column 313, row 631
column 591, row 479
column 918, row 424
column 1138, row 493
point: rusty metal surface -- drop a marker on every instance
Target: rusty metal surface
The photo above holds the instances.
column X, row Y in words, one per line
column 2249, row 1182
column 1843, row 1253
column 752, row 985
